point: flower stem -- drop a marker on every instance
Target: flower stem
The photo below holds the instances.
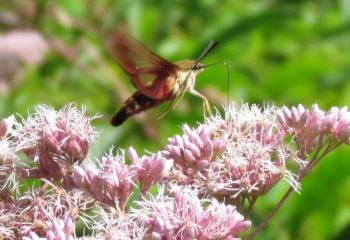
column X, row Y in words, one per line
column 266, row 220
column 308, row 168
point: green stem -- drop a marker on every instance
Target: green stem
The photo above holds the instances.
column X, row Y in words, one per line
column 316, row 158
column 266, row 220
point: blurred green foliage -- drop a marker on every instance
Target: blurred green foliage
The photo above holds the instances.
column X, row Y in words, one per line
column 281, row 52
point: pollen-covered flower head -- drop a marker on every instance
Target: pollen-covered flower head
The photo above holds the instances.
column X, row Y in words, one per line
column 255, row 157
column 238, row 155
column 55, row 140
column 112, row 223
column 45, row 214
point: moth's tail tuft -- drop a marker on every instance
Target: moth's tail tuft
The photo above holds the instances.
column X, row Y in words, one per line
column 119, row 118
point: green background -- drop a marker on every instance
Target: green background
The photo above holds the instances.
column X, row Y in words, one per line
column 281, row 52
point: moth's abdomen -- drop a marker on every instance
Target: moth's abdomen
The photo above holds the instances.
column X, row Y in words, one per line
column 137, row 103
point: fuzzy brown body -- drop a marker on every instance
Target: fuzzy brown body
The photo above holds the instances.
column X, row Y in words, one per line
column 156, row 79
column 174, row 85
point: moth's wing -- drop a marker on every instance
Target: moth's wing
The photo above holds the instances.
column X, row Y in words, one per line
column 149, row 72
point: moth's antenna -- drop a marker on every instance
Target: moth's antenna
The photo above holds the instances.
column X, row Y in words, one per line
column 211, row 46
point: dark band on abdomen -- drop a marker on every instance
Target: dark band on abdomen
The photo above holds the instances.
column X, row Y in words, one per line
column 138, row 102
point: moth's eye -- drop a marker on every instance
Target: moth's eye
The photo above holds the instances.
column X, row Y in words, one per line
column 195, row 67
column 198, row 67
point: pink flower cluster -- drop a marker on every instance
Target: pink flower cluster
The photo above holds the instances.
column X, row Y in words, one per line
column 16, row 49
column 114, row 178
column 314, row 128
column 207, row 173
column 28, row 46
column 195, row 150
column 54, row 141
column 178, row 214
column 56, row 230
column 150, row 169
column 240, row 156
column 37, row 214
column 183, row 216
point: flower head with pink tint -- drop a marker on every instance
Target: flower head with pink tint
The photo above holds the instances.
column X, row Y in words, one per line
column 112, row 222
column 310, row 128
column 315, row 132
column 238, row 156
column 195, row 149
column 54, row 230
column 45, row 214
column 17, row 48
column 28, row 46
column 150, row 169
column 255, row 157
column 219, row 169
column 182, row 215
column 54, row 140
column 114, row 178
column 8, row 179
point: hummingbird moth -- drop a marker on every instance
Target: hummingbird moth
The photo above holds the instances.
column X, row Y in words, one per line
column 156, row 79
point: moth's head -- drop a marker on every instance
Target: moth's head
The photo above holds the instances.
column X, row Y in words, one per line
column 191, row 65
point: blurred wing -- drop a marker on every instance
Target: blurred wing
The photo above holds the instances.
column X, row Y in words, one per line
column 149, row 72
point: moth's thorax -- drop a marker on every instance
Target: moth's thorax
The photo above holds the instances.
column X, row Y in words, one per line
column 186, row 76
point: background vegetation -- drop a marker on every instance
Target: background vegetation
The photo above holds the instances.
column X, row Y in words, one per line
column 281, row 52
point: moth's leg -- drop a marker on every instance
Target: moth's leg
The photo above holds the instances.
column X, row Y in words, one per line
column 206, row 104
column 172, row 105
